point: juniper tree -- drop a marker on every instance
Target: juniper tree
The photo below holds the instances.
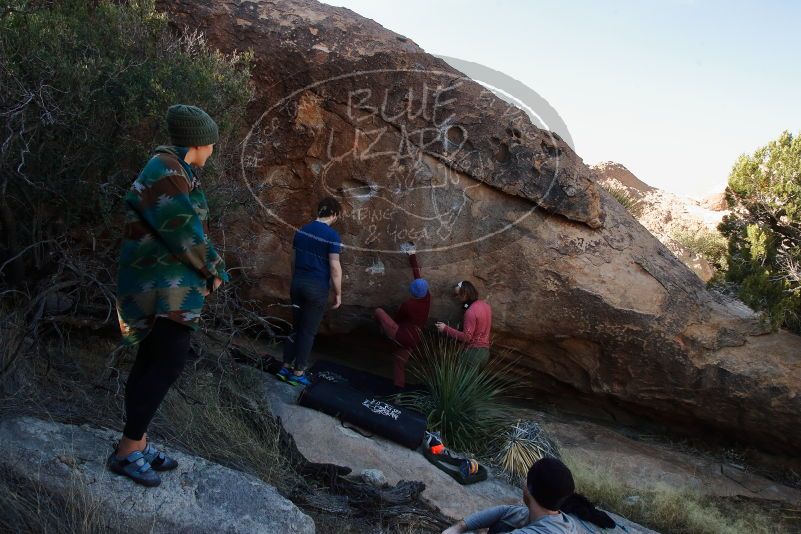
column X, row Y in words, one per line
column 764, row 230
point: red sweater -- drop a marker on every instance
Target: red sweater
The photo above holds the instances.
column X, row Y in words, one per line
column 477, row 326
column 412, row 314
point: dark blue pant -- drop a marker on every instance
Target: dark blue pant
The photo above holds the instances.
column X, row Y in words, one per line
column 310, row 298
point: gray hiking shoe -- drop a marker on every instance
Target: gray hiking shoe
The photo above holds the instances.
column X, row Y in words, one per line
column 135, row 467
column 158, row 460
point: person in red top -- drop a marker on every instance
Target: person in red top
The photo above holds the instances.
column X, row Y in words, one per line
column 476, row 334
column 405, row 328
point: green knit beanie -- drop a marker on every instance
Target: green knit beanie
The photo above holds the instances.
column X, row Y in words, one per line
column 191, row 126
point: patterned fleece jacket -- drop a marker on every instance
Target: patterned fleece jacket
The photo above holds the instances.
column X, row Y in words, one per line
column 166, row 258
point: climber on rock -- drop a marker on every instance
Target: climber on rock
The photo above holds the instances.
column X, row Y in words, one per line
column 167, row 268
column 551, row 506
column 406, row 326
column 476, row 334
column 315, row 268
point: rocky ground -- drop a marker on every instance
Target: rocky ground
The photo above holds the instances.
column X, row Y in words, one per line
column 199, row 497
column 59, row 451
column 68, row 461
column 648, row 464
column 324, row 439
column 638, row 460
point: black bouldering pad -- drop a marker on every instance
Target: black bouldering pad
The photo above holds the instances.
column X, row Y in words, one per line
column 335, row 373
column 397, row 423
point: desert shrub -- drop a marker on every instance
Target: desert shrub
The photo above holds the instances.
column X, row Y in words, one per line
column 764, row 230
column 624, row 199
column 709, row 244
column 517, row 448
column 466, row 404
column 83, row 94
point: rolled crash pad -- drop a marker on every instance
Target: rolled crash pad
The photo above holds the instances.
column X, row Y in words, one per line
column 326, row 371
column 399, row 424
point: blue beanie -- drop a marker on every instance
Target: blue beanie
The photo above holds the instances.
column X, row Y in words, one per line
column 418, row 288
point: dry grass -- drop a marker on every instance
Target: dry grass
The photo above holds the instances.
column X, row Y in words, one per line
column 666, row 509
column 217, row 417
column 707, row 243
column 27, row 508
column 621, row 194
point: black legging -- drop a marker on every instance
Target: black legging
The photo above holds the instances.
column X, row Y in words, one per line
column 159, row 362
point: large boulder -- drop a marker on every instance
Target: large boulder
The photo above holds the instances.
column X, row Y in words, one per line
column 198, row 497
column 592, row 303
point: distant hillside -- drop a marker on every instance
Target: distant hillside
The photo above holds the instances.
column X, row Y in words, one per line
column 716, row 202
column 667, row 215
column 610, row 172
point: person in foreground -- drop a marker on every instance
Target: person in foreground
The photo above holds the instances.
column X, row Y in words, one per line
column 476, row 334
column 551, row 507
column 405, row 328
column 316, row 267
column 167, row 267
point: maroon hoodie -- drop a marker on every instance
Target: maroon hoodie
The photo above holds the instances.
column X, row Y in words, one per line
column 412, row 314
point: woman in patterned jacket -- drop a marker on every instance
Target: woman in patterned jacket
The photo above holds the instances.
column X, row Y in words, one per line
column 167, row 267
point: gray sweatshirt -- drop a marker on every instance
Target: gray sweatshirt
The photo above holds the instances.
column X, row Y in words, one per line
column 514, row 519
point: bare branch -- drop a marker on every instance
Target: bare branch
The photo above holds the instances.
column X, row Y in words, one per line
column 23, row 251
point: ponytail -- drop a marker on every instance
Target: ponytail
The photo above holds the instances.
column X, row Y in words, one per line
column 579, row 506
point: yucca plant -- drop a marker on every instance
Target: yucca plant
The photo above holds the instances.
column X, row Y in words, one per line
column 520, row 446
column 466, row 404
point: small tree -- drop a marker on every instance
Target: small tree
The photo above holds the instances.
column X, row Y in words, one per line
column 710, row 244
column 764, row 231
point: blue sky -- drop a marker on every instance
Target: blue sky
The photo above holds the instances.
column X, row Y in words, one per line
column 674, row 90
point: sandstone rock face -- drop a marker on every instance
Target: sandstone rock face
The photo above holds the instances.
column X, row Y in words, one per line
column 198, row 497
column 666, row 215
column 591, row 302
